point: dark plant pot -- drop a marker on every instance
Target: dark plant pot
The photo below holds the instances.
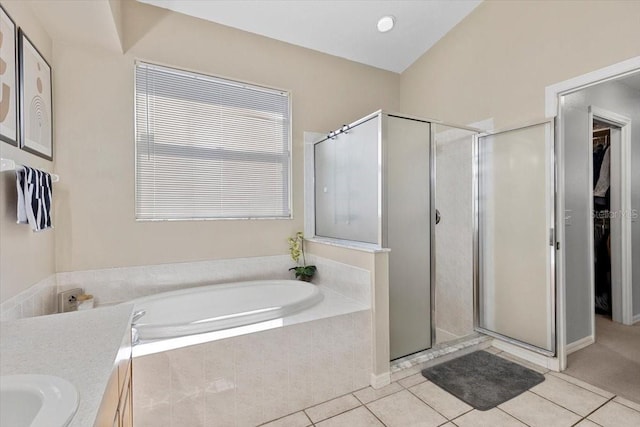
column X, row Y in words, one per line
column 304, row 273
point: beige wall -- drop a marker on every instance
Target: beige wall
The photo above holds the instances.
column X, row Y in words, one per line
column 95, row 155
column 498, row 60
column 496, row 64
column 25, row 257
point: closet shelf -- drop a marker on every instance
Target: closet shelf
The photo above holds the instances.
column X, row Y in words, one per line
column 10, row 165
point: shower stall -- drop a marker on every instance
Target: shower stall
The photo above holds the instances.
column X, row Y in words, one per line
column 436, row 195
column 373, row 184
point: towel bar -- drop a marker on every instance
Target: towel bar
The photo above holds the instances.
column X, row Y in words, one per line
column 10, row 165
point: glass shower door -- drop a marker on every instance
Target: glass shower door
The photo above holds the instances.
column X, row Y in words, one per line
column 453, row 233
column 516, row 242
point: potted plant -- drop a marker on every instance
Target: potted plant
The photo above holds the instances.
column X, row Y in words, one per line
column 296, row 249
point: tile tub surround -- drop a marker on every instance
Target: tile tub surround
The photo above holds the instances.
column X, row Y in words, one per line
column 86, row 356
column 114, row 285
column 352, row 282
column 38, row 300
column 250, row 379
column 332, row 304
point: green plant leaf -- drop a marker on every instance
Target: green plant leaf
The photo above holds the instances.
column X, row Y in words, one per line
column 309, row 270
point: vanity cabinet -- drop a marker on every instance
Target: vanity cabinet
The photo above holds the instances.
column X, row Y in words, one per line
column 116, row 407
column 124, row 416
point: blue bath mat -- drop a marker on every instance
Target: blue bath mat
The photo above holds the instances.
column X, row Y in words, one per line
column 483, row 380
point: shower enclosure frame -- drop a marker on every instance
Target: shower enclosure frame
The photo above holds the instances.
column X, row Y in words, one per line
column 380, row 226
column 310, row 201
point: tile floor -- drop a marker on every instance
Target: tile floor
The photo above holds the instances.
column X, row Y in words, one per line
column 413, row 401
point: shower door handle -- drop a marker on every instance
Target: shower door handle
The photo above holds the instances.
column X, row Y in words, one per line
column 438, row 216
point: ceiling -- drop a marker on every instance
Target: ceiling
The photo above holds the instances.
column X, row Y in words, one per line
column 92, row 21
column 344, row 28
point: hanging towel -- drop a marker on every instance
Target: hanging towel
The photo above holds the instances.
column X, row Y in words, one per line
column 603, row 180
column 34, row 198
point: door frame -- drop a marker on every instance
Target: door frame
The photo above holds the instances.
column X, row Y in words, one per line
column 553, row 94
column 621, row 264
column 551, row 214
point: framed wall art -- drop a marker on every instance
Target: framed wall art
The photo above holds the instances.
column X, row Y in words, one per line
column 36, row 114
column 8, row 80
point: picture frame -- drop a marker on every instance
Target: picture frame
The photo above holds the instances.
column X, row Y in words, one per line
column 36, row 106
column 9, row 124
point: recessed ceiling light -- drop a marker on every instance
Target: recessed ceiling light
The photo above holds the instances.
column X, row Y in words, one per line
column 386, row 23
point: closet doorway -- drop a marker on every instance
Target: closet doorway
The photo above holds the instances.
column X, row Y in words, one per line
column 602, row 259
column 611, row 216
column 598, row 126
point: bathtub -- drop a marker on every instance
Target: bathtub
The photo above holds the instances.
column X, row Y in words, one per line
column 212, row 308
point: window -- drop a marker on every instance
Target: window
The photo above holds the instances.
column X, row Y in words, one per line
column 209, row 148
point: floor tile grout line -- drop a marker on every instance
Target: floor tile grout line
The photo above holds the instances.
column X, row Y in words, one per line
column 407, row 388
column 557, row 404
column 578, row 385
column 583, row 419
column 352, row 409
column 335, row 415
column 305, row 414
column 381, row 397
column 455, row 418
column 599, row 407
column 327, row 401
column 376, row 417
column 511, row 415
column 288, row 415
column 438, row 412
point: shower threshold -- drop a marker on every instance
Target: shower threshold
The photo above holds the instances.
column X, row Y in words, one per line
column 441, row 353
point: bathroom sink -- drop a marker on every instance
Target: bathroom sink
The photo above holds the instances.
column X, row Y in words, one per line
column 36, row 401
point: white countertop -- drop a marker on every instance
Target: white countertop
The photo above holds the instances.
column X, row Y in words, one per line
column 81, row 347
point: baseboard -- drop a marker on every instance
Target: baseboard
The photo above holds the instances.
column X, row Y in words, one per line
column 635, row 319
column 580, row 344
column 528, row 355
column 379, row 381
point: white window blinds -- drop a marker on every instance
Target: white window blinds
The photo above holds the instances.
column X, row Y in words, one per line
column 209, row 148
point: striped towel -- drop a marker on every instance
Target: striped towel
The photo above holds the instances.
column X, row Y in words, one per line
column 34, row 198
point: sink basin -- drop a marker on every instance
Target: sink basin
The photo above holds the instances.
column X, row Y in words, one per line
column 36, row 401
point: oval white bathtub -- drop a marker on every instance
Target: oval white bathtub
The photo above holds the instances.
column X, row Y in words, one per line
column 215, row 307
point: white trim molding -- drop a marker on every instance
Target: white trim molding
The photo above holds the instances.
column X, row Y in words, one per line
column 379, row 381
column 580, row 344
column 621, row 263
column 309, row 191
column 552, row 99
column 553, row 91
